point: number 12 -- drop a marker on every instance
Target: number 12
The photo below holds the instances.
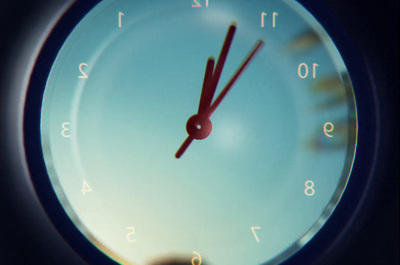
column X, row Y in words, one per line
column 197, row 4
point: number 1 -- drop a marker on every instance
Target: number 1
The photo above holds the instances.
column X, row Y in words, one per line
column 120, row 15
column 274, row 15
column 263, row 14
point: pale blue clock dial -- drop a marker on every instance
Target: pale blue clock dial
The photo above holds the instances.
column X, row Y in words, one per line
column 256, row 190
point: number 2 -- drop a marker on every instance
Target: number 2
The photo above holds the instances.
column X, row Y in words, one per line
column 84, row 75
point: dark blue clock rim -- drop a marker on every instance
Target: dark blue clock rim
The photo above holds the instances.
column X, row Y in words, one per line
column 329, row 234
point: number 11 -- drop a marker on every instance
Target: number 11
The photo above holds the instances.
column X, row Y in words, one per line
column 274, row 15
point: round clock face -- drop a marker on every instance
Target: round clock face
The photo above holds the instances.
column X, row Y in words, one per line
column 250, row 179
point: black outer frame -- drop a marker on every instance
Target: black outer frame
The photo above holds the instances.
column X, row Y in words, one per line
column 32, row 140
column 367, row 142
column 342, row 216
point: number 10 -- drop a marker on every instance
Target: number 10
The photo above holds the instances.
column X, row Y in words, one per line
column 302, row 70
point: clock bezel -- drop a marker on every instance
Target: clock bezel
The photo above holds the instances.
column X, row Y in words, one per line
column 340, row 219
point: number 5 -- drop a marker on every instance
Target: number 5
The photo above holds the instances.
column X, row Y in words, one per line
column 130, row 234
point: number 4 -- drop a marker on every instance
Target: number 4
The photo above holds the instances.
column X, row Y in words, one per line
column 85, row 188
column 253, row 229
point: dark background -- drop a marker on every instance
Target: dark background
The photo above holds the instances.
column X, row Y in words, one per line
column 26, row 235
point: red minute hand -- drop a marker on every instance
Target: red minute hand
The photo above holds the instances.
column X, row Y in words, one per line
column 207, row 93
column 228, row 86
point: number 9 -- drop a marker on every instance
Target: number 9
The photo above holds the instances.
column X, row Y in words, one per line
column 328, row 127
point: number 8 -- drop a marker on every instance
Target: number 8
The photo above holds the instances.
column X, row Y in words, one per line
column 309, row 190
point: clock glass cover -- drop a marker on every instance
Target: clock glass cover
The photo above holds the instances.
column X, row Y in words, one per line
column 279, row 153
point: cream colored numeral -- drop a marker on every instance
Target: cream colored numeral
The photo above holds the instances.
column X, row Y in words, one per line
column 196, row 260
column 331, row 128
column 274, row 15
column 120, row 15
column 84, row 75
column 302, row 70
column 309, row 190
column 196, row 4
column 85, row 188
column 130, row 234
column 263, row 14
column 253, row 229
column 65, row 129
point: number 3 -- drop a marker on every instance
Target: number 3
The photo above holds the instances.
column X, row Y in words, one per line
column 65, row 129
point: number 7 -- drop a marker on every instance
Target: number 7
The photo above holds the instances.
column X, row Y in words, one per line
column 253, row 228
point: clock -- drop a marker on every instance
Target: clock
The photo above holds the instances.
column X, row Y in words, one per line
column 200, row 133
column 269, row 150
